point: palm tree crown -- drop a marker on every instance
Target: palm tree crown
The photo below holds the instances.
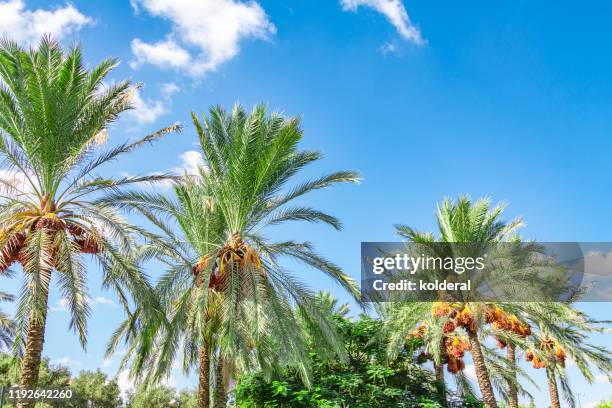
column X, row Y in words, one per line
column 226, row 288
column 54, row 114
column 450, row 330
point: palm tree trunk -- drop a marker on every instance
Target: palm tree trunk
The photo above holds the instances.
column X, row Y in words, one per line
column 30, row 365
column 512, row 388
column 482, row 374
column 552, row 389
column 439, row 371
column 220, row 391
column 204, row 385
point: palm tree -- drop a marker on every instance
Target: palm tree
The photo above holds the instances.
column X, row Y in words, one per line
column 478, row 224
column 412, row 325
column 562, row 333
column 6, row 324
column 53, row 114
column 228, row 297
column 329, row 306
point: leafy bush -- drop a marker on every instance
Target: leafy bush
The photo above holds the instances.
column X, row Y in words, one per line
column 367, row 380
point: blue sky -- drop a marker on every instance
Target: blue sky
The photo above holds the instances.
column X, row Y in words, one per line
column 426, row 100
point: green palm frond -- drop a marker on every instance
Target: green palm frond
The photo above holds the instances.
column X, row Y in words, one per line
column 243, row 187
column 53, row 112
column 7, row 326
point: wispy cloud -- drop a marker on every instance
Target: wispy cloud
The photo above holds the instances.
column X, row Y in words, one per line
column 167, row 54
column 204, row 34
column 125, row 382
column 146, row 111
column 63, row 304
column 169, row 88
column 65, row 361
column 191, row 161
column 388, row 48
column 60, row 306
column 395, row 13
column 102, row 300
column 27, row 26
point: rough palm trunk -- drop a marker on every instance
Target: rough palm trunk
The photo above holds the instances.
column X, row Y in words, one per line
column 220, row 390
column 482, row 374
column 552, row 389
column 204, row 385
column 512, row 388
column 439, row 371
column 35, row 339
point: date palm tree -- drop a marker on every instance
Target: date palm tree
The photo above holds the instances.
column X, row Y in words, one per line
column 227, row 295
column 480, row 225
column 6, row 324
column 54, row 112
column 561, row 333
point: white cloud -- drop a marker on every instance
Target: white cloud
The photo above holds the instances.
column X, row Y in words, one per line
column 60, row 306
column 470, row 371
column 107, row 362
column 164, row 54
column 602, row 378
column 65, row 361
column 101, row 300
column 27, row 26
column 388, row 48
column 146, row 111
column 191, row 161
column 168, row 89
column 598, row 263
column 212, row 29
column 125, row 383
column 394, row 11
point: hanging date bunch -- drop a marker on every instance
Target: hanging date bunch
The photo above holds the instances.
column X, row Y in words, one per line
column 458, row 314
column 454, row 344
column 235, row 261
column 415, row 340
column 501, row 320
column 455, row 347
column 552, row 350
column 17, row 231
column 536, row 360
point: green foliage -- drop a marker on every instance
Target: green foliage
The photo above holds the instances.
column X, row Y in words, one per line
column 604, row 404
column 94, row 386
column 366, row 379
column 50, row 376
column 160, row 397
